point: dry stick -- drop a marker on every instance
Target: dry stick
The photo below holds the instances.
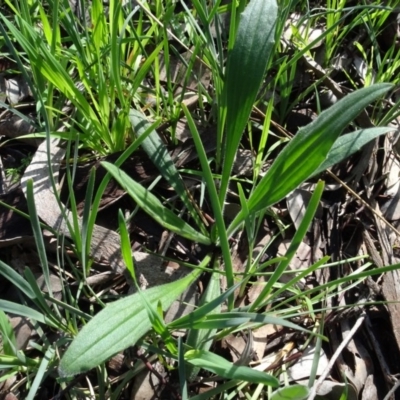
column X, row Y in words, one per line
column 389, row 378
column 358, row 197
column 392, row 390
column 337, row 353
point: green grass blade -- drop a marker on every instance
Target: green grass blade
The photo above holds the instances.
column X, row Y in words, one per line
column 216, row 207
column 41, row 302
column 41, row 373
column 154, row 313
column 126, row 250
column 23, row 311
column 201, row 339
column 7, row 361
column 307, row 150
column 37, row 233
column 17, row 280
column 300, row 275
column 103, row 184
column 182, row 370
column 119, row 325
column 160, row 157
column 235, row 319
column 153, row 206
column 85, row 220
column 295, row 243
column 8, row 336
column 200, row 313
column 245, row 71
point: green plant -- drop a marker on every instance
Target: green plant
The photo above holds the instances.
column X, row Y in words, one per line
column 315, row 141
column 14, row 174
column 100, row 69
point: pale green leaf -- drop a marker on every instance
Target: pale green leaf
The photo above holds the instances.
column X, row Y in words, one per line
column 293, row 392
column 119, row 325
column 225, row 369
column 347, row 145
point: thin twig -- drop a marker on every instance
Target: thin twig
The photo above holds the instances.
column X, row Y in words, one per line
column 337, row 353
column 392, row 390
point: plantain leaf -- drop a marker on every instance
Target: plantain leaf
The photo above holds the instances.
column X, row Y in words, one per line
column 307, row 150
column 293, row 392
column 218, row 365
column 153, row 206
column 119, row 325
column 347, row 145
column 245, row 71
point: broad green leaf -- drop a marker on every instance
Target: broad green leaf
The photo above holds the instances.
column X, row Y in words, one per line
column 153, row 206
column 347, row 145
column 160, row 157
column 245, row 71
column 293, row 392
column 119, row 325
column 223, row 368
column 308, row 150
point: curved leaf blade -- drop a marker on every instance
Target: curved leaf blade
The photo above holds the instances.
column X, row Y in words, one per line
column 293, row 392
column 222, row 367
column 308, row 150
column 349, row 144
column 153, row 206
column 119, row 325
column 158, row 154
